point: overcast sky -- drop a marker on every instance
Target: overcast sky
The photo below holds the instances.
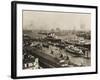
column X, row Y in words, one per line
column 53, row 20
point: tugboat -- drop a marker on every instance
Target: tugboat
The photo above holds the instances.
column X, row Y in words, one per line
column 74, row 50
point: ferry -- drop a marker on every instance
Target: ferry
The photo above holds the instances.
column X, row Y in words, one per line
column 74, row 50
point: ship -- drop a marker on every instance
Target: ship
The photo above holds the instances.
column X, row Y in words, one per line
column 74, row 50
column 83, row 43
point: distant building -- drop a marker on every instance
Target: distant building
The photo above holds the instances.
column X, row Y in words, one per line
column 27, row 31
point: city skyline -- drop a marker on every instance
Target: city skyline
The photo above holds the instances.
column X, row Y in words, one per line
column 40, row 20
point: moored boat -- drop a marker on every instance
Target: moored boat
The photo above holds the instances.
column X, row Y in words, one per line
column 74, row 50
